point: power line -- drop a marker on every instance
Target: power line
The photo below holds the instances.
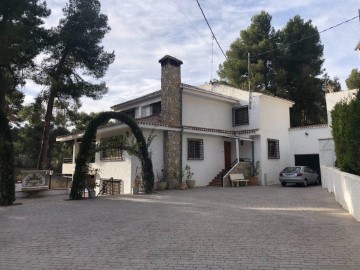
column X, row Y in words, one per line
column 212, row 32
column 297, row 41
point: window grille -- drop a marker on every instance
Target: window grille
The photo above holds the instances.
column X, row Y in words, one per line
column 112, row 153
column 273, row 149
column 241, row 116
column 195, row 149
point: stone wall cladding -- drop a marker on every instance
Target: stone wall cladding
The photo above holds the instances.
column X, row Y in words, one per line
column 171, row 113
column 241, row 167
column 171, row 94
column 172, row 156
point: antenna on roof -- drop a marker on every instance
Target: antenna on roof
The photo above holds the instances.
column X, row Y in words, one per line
column 250, row 92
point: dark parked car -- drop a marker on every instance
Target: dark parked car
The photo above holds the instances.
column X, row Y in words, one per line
column 299, row 175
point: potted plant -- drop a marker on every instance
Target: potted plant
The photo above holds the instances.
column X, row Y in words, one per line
column 179, row 176
column 254, row 174
column 188, row 176
column 137, row 183
column 90, row 185
column 161, row 183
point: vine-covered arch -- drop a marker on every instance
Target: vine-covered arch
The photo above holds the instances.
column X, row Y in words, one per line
column 85, row 146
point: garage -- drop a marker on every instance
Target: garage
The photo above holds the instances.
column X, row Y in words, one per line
column 311, row 160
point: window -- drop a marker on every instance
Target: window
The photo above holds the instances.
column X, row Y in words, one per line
column 273, row 149
column 195, row 149
column 240, row 116
column 111, row 152
column 155, row 108
column 130, row 113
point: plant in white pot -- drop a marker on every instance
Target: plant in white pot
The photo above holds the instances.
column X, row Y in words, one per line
column 188, row 177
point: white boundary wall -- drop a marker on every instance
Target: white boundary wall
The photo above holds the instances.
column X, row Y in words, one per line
column 345, row 187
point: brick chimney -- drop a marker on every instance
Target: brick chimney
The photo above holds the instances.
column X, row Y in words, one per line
column 171, row 115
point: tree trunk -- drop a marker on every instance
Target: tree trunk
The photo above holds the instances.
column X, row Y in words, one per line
column 2, row 101
column 42, row 162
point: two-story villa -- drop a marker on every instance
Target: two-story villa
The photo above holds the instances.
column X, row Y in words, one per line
column 211, row 128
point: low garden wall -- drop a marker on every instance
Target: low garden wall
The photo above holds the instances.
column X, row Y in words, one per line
column 345, row 187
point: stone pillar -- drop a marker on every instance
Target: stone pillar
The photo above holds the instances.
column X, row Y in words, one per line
column 171, row 114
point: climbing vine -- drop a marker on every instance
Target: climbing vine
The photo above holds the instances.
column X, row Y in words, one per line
column 86, row 143
column 7, row 182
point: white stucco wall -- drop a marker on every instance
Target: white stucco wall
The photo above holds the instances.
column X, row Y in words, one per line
column 274, row 124
column 205, row 170
column 200, row 111
column 305, row 140
column 345, row 187
column 327, row 155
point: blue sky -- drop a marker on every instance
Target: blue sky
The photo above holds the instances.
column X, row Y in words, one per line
column 143, row 31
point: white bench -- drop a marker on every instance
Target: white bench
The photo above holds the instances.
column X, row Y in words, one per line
column 236, row 178
column 33, row 183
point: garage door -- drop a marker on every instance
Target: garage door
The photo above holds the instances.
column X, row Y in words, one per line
column 308, row 160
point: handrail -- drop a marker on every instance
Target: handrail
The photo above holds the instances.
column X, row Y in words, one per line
column 233, row 165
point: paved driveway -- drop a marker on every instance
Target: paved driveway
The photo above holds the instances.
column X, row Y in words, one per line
column 203, row 228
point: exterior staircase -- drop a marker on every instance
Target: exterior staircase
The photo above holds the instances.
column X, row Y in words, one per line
column 217, row 181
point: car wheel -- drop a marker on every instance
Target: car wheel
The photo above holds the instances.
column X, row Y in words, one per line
column 283, row 184
column 305, row 183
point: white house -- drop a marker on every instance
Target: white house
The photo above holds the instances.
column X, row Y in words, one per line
column 213, row 128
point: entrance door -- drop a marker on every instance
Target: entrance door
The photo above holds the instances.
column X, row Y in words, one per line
column 227, row 155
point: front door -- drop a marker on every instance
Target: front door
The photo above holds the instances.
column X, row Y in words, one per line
column 227, row 155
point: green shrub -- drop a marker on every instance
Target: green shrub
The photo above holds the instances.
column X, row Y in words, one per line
column 7, row 180
column 346, row 134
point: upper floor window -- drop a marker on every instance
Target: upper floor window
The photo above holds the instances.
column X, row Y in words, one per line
column 195, row 149
column 130, row 112
column 155, row 108
column 111, row 151
column 240, row 116
column 273, row 149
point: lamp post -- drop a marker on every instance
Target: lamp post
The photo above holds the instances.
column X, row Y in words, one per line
column 50, row 173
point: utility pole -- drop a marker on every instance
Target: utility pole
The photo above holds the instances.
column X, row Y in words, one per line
column 250, row 92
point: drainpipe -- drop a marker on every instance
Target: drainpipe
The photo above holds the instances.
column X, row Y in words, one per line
column 237, row 148
column 182, row 128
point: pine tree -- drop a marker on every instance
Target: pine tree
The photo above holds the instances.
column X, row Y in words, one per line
column 75, row 47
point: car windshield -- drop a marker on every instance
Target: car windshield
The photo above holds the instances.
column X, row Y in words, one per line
column 292, row 169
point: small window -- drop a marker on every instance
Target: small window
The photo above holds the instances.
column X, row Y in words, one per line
column 273, row 149
column 195, row 149
column 240, row 116
column 111, row 153
column 130, row 113
column 155, row 108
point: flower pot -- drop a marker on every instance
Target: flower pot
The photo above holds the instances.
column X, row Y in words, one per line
column 161, row 185
column 190, row 183
column 253, row 181
column 92, row 194
column 181, row 186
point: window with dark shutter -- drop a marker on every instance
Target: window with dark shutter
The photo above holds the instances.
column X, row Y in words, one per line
column 241, row 116
column 156, row 108
column 130, row 113
column 195, row 149
column 273, row 149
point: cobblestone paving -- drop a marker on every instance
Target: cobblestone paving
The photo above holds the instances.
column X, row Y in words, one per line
column 203, row 228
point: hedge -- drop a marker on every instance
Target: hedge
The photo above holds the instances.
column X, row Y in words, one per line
column 346, row 134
